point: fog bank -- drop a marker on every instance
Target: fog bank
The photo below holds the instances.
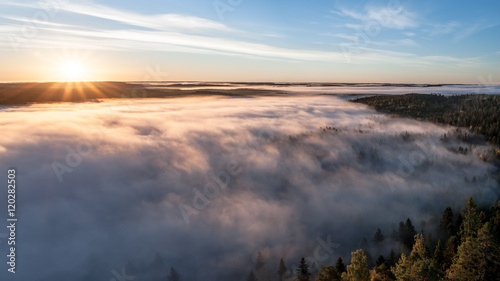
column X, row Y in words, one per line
column 208, row 182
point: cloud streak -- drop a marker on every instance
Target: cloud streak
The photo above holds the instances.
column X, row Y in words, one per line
column 166, row 22
column 388, row 17
column 471, row 30
column 188, row 34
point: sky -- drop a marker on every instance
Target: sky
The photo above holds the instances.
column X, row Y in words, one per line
column 397, row 41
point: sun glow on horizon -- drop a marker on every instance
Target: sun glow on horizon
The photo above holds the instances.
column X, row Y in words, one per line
column 72, row 71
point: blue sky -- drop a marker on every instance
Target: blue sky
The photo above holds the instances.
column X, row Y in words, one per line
column 252, row 40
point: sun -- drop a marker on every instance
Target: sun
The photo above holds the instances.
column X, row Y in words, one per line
column 72, row 71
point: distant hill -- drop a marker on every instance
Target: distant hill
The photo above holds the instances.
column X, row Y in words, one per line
column 27, row 93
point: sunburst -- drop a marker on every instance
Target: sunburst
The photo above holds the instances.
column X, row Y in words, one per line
column 72, row 71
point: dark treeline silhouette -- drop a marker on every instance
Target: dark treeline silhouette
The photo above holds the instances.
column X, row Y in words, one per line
column 480, row 113
column 156, row 270
column 53, row 92
column 464, row 246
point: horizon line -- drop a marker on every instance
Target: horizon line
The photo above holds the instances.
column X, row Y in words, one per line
column 243, row 82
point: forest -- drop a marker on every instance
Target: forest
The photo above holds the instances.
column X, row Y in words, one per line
column 465, row 245
column 479, row 113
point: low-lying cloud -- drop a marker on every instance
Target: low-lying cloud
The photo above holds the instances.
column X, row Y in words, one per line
column 208, row 182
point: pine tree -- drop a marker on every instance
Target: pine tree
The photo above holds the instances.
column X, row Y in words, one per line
column 380, row 260
column 303, row 273
column 392, row 259
column 381, row 273
column 490, row 251
column 251, row 277
column 495, row 223
column 281, row 270
column 458, row 225
column 259, row 261
column 416, row 266
column 328, row 273
column 365, row 246
column 174, row 275
column 439, row 258
column 358, row 269
column 471, row 221
column 394, row 235
column 406, row 235
column 378, row 237
column 450, row 250
column 402, row 268
column 410, row 234
column 477, row 258
column 157, row 262
column 157, row 266
column 419, row 250
column 401, row 232
column 340, row 266
column 429, row 242
column 482, row 218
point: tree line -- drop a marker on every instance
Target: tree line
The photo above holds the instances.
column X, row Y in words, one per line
column 479, row 113
column 464, row 246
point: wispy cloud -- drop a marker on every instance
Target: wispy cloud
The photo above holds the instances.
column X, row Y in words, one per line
column 353, row 26
column 471, row 30
column 335, row 12
column 394, row 43
column 166, row 22
column 443, row 28
column 350, row 37
column 175, row 41
column 179, row 33
column 388, row 17
column 458, row 30
column 160, row 35
column 159, row 22
column 409, row 59
column 355, row 38
column 39, row 23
